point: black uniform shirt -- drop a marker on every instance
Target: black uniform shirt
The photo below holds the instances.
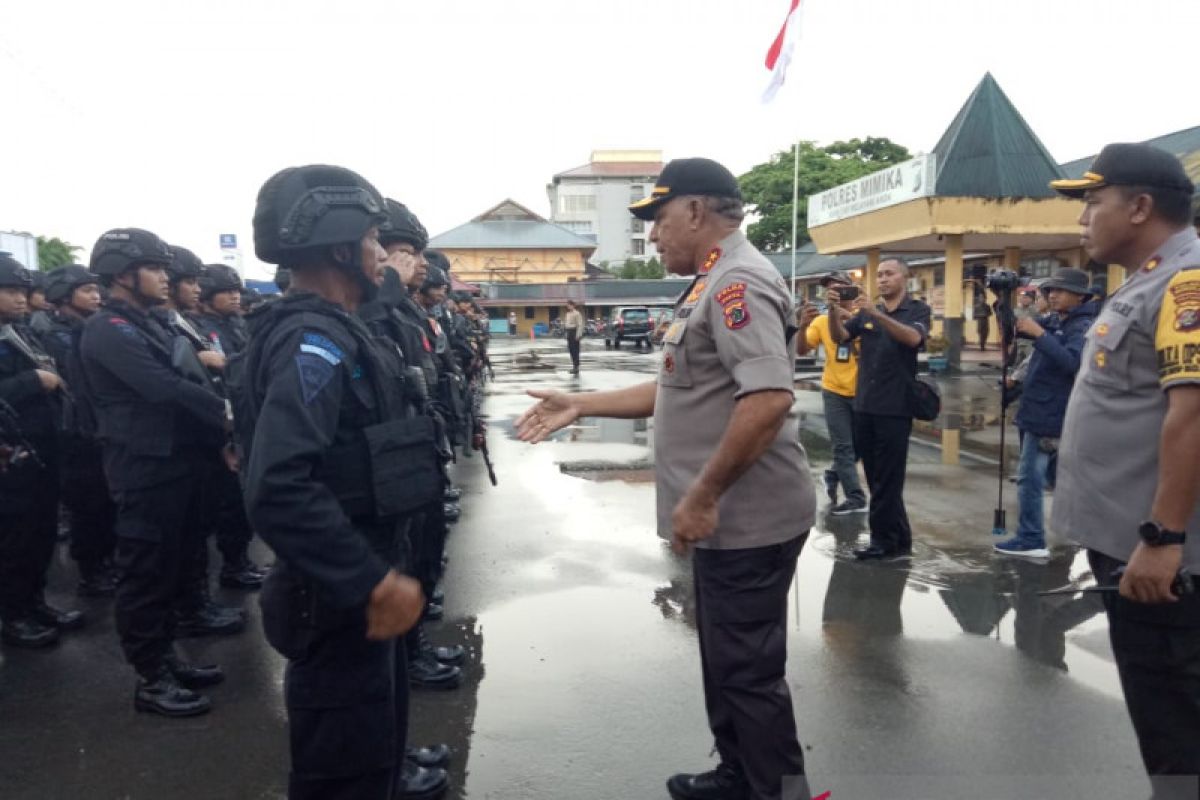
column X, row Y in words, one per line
column 315, row 393
column 887, row 368
column 145, row 410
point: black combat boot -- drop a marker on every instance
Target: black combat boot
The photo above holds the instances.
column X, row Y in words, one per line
column 722, row 783
column 243, row 574
column 211, row 620
column 419, row 783
column 436, row 755
column 193, row 676
column 453, row 655
column 426, row 672
column 161, row 693
column 49, row 615
column 27, row 632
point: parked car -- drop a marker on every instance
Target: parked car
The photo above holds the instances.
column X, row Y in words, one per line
column 628, row 323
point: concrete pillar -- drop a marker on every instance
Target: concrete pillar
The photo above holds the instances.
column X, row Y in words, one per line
column 954, row 300
column 872, row 271
column 1012, row 258
column 951, row 440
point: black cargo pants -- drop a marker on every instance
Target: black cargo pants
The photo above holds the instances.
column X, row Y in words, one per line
column 90, row 507
column 28, row 532
column 158, row 530
column 741, row 615
column 1157, row 650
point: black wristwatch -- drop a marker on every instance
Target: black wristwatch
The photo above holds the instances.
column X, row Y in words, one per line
column 1156, row 535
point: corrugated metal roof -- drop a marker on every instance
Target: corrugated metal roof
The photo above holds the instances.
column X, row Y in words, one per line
column 989, row 150
column 809, row 262
column 1184, row 144
column 511, row 235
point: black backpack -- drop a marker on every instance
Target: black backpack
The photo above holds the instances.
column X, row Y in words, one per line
column 923, row 399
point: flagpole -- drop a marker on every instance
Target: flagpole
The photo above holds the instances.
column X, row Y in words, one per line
column 795, row 208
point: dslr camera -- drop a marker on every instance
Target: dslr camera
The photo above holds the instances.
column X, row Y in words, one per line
column 1003, row 281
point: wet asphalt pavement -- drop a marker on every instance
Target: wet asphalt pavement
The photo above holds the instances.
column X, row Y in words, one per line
column 945, row 678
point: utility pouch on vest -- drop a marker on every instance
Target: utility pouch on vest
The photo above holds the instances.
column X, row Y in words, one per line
column 391, row 471
column 405, row 474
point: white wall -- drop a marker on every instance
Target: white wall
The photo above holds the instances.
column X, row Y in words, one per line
column 23, row 247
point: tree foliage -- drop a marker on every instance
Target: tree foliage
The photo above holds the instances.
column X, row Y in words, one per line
column 635, row 269
column 767, row 188
column 54, row 252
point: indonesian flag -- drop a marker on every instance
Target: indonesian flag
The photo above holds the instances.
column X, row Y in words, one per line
column 779, row 56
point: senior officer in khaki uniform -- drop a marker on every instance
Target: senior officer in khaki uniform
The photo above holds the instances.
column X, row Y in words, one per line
column 1129, row 473
column 732, row 478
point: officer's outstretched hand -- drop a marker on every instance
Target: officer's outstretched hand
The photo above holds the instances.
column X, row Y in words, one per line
column 1151, row 573
column 694, row 518
column 396, row 605
column 557, row 410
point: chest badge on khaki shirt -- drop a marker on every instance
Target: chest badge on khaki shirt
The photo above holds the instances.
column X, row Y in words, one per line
column 697, row 290
column 669, row 364
column 1102, row 329
column 1101, row 359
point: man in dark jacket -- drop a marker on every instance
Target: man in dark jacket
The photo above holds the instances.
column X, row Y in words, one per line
column 1058, row 340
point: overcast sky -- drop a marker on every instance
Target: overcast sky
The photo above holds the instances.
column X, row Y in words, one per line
column 169, row 115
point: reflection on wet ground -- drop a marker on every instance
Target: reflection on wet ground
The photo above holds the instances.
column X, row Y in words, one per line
column 949, row 677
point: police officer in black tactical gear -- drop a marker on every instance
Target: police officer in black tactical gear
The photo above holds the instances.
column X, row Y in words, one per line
column 159, row 429
column 199, row 614
column 220, row 323
column 335, row 457
column 74, row 292
column 39, row 307
column 31, row 385
column 404, row 238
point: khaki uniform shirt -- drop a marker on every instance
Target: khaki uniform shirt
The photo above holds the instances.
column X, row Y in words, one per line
column 1145, row 341
column 573, row 321
column 730, row 338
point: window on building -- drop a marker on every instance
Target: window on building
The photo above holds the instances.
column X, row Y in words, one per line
column 636, row 192
column 638, row 226
column 577, row 226
column 529, row 312
column 577, row 203
column 637, row 247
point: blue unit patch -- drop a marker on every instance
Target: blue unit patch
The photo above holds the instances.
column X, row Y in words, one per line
column 315, row 373
column 322, row 346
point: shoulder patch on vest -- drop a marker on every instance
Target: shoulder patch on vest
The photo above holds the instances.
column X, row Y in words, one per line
column 315, row 372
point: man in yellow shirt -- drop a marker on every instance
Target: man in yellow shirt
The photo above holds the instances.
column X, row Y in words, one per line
column 837, row 392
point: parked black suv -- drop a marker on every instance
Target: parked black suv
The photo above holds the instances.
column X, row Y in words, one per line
column 628, row 323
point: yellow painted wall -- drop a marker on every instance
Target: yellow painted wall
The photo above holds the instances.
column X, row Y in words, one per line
column 524, row 326
column 517, row 266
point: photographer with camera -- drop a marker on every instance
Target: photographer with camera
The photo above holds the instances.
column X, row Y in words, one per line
column 1057, row 341
column 838, row 381
column 889, row 333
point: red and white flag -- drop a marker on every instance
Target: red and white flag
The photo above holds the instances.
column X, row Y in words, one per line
column 779, row 56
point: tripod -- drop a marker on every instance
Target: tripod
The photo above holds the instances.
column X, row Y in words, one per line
column 1006, row 321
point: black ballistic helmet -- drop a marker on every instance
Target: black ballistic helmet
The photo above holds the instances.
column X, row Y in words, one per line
column 62, row 282
column 13, row 275
column 435, row 258
column 184, row 264
column 124, row 248
column 434, row 278
column 219, row 278
column 403, row 226
column 283, row 278
column 38, row 280
column 313, row 207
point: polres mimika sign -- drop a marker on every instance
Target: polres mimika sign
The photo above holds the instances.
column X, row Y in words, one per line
column 906, row 181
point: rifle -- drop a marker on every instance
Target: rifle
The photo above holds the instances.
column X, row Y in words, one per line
column 480, row 442
column 11, row 433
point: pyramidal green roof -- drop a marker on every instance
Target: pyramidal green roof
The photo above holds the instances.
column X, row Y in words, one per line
column 990, row 151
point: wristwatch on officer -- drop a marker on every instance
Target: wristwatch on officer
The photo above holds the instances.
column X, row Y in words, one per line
column 1156, row 535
